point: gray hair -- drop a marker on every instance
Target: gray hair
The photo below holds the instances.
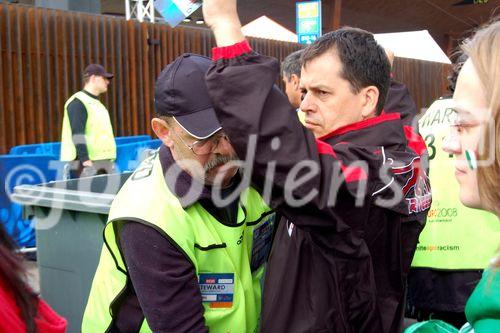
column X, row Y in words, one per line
column 291, row 65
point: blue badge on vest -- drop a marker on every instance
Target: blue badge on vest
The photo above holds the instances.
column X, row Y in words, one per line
column 217, row 289
column 262, row 241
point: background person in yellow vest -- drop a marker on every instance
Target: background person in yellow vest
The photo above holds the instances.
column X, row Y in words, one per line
column 87, row 140
column 175, row 259
column 449, row 259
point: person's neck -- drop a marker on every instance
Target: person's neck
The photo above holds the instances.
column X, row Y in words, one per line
column 92, row 90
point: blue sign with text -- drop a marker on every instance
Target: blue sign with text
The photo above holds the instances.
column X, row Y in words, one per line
column 308, row 16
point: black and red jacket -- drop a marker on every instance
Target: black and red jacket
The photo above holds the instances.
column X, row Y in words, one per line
column 340, row 260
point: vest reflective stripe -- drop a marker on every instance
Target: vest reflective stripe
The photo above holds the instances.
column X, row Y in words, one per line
column 455, row 237
column 146, row 198
column 98, row 131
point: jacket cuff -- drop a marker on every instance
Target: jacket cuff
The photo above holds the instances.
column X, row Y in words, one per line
column 231, row 51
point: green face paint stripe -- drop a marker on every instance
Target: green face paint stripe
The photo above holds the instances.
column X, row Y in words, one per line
column 471, row 159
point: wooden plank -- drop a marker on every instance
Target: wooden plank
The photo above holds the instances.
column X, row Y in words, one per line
column 17, row 68
column 28, row 46
column 66, row 68
column 56, row 89
column 337, row 14
column 165, row 49
column 38, row 93
column 111, row 45
column 80, row 56
column 29, row 84
column 128, row 107
column 3, row 114
column 47, row 73
column 132, row 39
column 147, row 64
column 139, row 60
column 120, row 50
column 74, row 83
column 10, row 124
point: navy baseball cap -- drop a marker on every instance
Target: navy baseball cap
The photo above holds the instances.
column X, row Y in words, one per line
column 96, row 69
column 181, row 92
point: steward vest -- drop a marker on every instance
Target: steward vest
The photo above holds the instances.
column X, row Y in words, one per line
column 455, row 237
column 98, row 131
column 228, row 259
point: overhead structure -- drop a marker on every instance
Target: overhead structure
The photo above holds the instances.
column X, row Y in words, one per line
column 141, row 10
column 414, row 45
column 264, row 27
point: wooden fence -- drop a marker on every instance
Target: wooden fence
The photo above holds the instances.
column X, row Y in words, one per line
column 44, row 51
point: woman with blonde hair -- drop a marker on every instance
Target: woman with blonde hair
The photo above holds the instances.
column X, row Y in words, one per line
column 477, row 168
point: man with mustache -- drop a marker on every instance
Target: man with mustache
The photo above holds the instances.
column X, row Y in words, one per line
column 175, row 259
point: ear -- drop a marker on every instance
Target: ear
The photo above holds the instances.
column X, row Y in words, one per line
column 369, row 100
column 93, row 78
column 162, row 131
column 295, row 80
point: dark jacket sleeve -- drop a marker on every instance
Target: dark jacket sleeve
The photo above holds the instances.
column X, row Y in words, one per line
column 164, row 280
column 400, row 101
column 77, row 114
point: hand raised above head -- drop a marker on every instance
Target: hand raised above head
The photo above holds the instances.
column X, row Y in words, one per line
column 217, row 12
column 222, row 17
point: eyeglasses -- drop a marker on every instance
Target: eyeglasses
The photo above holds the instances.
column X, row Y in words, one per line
column 205, row 146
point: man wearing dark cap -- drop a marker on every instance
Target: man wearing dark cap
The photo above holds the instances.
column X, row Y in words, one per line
column 183, row 253
column 87, row 140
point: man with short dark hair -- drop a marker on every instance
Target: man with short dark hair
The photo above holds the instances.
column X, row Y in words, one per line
column 87, row 139
column 290, row 71
column 351, row 189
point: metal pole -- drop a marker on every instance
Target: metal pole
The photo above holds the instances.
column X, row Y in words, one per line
column 127, row 10
column 140, row 11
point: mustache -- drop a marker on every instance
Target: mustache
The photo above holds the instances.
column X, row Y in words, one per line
column 218, row 160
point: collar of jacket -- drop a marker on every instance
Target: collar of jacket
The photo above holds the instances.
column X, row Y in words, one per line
column 383, row 130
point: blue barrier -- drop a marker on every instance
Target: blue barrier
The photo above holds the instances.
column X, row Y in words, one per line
column 48, row 148
column 39, row 163
column 129, row 156
column 54, row 148
column 20, row 170
column 121, row 140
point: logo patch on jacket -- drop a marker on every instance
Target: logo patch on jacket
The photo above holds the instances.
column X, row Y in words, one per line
column 416, row 190
column 217, row 289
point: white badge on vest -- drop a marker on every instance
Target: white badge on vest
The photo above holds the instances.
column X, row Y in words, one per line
column 217, row 289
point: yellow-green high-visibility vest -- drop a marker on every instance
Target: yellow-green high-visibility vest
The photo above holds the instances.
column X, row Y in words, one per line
column 98, row 131
column 455, row 237
column 228, row 259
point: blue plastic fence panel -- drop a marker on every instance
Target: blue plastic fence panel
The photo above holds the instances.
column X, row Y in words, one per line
column 120, row 140
column 19, row 170
column 54, row 148
column 48, row 148
column 130, row 155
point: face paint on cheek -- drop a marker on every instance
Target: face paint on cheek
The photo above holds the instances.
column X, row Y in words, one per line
column 470, row 155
